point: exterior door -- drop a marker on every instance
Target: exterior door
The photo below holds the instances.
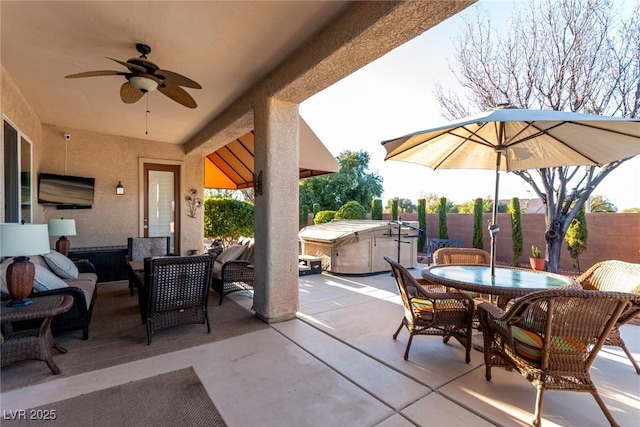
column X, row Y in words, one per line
column 162, row 203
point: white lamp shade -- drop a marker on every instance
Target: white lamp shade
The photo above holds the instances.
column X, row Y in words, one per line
column 62, row 227
column 23, row 239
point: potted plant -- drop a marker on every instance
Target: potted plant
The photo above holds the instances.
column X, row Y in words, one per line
column 536, row 260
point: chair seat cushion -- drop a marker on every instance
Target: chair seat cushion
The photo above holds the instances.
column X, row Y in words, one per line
column 528, row 344
column 423, row 308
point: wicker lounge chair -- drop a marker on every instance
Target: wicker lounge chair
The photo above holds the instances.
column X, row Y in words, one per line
column 615, row 276
column 139, row 248
column 175, row 292
column 235, row 272
column 428, row 310
column 546, row 337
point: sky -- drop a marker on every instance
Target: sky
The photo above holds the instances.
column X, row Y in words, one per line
column 393, row 96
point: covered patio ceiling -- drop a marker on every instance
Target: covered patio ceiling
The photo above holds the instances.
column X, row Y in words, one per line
column 235, row 49
column 232, row 166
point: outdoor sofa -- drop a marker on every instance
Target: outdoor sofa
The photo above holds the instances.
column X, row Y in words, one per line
column 58, row 275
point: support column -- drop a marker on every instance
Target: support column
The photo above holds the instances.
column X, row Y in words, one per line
column 276, row 210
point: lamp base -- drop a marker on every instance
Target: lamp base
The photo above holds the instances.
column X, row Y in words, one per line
column 63, row 245
column 20, row 275
column 19, row 302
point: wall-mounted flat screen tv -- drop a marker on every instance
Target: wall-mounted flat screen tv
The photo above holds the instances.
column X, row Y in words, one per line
column 65, row 191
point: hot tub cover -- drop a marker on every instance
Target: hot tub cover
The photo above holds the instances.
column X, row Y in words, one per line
column 344, row 232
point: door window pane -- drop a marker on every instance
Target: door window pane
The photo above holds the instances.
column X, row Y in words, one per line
column 162, row 205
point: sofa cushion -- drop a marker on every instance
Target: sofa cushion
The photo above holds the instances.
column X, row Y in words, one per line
column 61, row 265
column 87, row 283
column 217, row 270
column 247, row 255
column 45, row 280
column 3, row 274
column 231, row 253
column 38, row 260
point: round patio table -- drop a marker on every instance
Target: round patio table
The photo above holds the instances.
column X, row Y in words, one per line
column 508, row 282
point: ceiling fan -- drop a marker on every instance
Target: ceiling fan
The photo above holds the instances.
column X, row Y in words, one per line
column 145, row 76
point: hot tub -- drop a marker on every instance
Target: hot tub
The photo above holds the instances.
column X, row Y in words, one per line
column 358, row 247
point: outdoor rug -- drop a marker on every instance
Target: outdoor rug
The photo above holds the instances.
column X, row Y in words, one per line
column 176, row 398
column 117, row 335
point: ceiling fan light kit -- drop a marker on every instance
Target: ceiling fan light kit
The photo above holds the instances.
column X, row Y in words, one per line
column 144, row 76
column 143, row 84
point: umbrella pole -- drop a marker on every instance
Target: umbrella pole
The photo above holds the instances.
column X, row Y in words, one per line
column 493, row 228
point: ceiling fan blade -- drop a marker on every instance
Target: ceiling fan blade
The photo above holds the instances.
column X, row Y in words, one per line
column 129, row 94
column 96, row 74
column 178, row 94
column 178, row 79
column 129, row 65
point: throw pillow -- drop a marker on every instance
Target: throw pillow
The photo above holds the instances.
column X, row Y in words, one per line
column 46, row 280
column 233, row 252
column 61, row 265
column 3, row 274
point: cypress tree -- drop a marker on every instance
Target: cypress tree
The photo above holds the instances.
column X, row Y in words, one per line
column 376, row 209
column 394, row 209
column 516, row 230
column 477, row 224
column 442, row 218
column 422, row 222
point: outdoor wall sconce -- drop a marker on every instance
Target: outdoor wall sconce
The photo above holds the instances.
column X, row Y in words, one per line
column 119, row 189
column 193, row 203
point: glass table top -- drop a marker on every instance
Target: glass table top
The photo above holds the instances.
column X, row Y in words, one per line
column 505, row 277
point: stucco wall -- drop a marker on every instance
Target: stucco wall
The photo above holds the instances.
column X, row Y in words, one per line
column 109, row 159
column 611, row 236
column 15, row 108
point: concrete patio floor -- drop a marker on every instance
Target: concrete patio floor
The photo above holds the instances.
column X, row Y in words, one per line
column 337, row 365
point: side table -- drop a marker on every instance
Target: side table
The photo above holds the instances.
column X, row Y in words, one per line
column 32, row 344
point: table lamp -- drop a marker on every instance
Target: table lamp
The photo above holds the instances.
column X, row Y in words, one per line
column 63, row 228
column 20, row 241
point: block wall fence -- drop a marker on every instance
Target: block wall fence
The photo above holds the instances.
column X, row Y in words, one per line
column 611, row 236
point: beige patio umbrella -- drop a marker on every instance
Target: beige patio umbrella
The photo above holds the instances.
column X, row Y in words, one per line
column 231, row 167
column 512, row 139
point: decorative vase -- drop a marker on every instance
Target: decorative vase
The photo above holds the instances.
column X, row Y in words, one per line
column 537, row 263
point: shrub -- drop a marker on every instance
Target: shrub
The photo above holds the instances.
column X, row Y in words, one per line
column 227, row 219
column 394, row 209
column 324, row 216
column 576, row 237
column 303, row 216
column 351, row 210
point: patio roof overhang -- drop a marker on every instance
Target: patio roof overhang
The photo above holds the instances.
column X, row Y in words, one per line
column 231, row 167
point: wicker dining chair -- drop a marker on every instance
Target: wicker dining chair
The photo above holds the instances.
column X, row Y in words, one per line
column 175, row 292
column 617, row 276
column 468, row 256
column 547, row 337
column 429, row 310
